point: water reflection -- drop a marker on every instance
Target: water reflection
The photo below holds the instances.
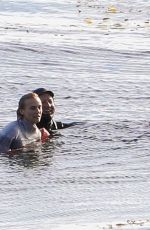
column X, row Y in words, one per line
column 26, row 159
column 95, row 58
column 38, row 157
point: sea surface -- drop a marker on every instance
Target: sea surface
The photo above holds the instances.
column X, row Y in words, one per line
column 95, row 56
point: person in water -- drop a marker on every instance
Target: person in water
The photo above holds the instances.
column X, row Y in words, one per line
column 23, row 132
column 48, row 106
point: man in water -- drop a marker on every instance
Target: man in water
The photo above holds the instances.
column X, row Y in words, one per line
column 48, row 106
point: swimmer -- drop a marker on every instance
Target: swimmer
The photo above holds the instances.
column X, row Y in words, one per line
column 23, row 132
column 48, row 106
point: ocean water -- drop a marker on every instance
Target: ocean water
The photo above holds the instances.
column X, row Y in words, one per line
column 95, row 56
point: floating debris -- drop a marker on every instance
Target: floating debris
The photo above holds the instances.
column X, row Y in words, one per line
column 88, row 20
column 117, row 25
column 104, row 19
column 120, row 225
column 112, row 9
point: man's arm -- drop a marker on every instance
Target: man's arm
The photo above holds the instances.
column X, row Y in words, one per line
column 61, row 125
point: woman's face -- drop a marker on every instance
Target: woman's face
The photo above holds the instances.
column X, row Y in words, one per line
column 32, row 110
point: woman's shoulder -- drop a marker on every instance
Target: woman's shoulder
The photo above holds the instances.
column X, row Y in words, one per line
column 10, row 128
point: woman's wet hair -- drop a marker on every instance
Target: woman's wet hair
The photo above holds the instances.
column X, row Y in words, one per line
column 22, row 101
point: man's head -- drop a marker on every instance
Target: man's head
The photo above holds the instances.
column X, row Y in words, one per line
column 47, row 99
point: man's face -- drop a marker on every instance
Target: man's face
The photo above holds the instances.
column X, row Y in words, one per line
column 32, row 110
column 48, row 105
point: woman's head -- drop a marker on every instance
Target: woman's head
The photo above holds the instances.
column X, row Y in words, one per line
column 30, row 108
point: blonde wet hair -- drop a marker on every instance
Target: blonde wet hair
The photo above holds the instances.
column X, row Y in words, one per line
column 21, row 104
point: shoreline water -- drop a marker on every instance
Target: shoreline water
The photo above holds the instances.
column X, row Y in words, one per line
column 95, row 56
